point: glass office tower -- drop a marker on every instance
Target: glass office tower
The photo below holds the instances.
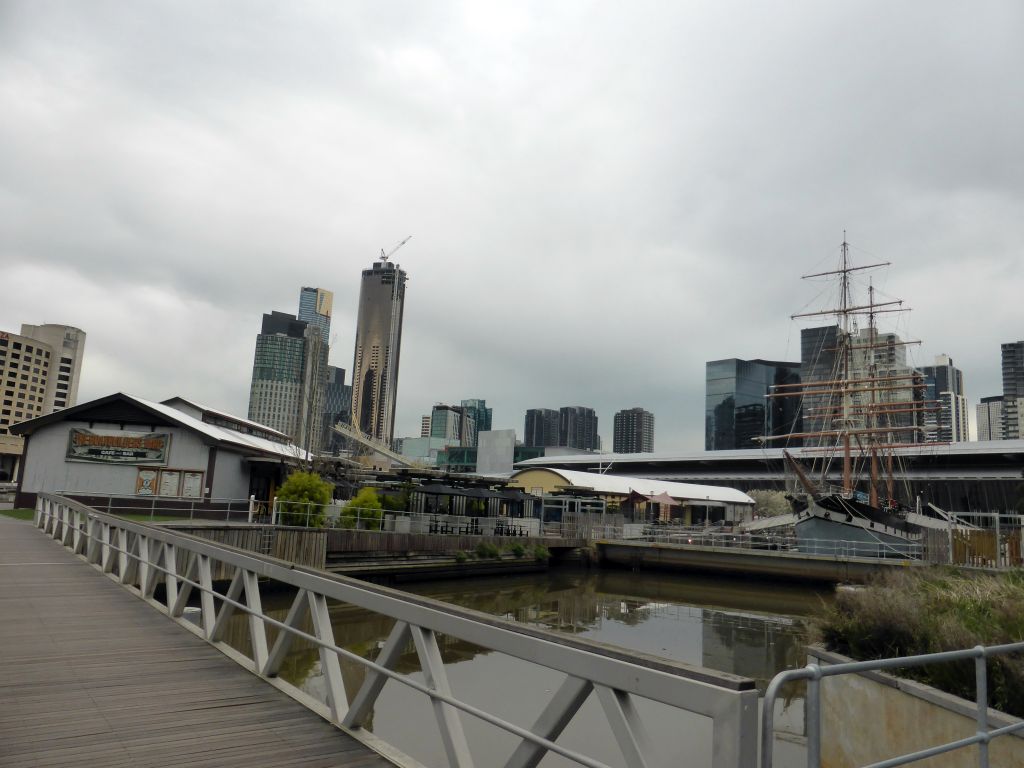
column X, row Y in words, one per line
column 737, row 410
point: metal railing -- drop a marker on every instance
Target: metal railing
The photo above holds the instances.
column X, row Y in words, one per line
column 156, row 507
column 366, row 519
column 786, row 543
column 138, row 556
column 814, row 673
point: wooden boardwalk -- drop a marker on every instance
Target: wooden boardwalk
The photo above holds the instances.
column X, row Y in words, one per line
column 92, row 676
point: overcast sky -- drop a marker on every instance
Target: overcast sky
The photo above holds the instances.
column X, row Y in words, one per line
column 602, row 196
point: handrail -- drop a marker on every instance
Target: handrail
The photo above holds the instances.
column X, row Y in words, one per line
column 138, row 555
column 814, row 673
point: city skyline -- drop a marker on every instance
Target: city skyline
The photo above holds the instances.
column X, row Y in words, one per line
column 538, row 194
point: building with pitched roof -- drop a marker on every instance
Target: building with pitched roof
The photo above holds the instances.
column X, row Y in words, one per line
column 123, row 445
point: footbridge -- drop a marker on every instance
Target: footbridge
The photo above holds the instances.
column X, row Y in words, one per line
column 123, row 624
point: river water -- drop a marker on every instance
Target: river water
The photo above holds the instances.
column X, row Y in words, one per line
column 749, row 628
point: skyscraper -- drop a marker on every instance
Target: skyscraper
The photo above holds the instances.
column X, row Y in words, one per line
column 481, row 415
column 541, row 428
column 945, row 386
column 315, row 306
column 634, row 431
column 737, row 409
column 68, row 345
column 990, row 418
column 39, row 371
column 337, row 406
column 577, row 428
column 1013, row 389
column 377, row 351
column 818, row 348
column 287, row 391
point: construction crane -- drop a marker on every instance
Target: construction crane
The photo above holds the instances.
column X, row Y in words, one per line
column 385, row 256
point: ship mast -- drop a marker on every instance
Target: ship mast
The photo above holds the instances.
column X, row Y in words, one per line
column 872, row 416
column 844, row 347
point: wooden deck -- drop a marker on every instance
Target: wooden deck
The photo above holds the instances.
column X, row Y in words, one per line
column 91, row 675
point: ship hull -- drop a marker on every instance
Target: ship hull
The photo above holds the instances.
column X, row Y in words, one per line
column 839, row 527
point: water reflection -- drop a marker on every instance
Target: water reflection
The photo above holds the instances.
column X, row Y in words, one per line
column 748, row 629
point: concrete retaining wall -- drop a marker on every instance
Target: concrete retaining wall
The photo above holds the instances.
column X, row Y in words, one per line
column 872, row 717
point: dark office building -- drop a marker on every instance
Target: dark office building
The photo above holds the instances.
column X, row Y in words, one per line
column 480, row 414
column 541, row 429
column 737, row 410
column 818, row 355
column 337, row 406
column 1013, row 388
column 634, row 431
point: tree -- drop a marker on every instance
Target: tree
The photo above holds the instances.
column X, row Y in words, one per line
column 303, row 499
column 769, row 503
column 364, row 507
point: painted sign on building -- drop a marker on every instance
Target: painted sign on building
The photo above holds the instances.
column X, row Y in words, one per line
column 118, row 447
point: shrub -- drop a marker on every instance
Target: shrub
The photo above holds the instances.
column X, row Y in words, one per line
column 303, row 498
column 918, row 612
column 487, row 549
column 461, row 557
column 518, row 550
column 364, row 509
column 541, row 553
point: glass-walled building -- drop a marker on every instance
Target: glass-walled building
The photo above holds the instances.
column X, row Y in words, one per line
column 737, row 410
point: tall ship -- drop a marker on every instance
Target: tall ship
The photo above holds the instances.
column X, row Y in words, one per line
column 860, row 402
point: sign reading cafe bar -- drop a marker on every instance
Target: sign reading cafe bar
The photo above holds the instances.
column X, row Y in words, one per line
column 118, row 447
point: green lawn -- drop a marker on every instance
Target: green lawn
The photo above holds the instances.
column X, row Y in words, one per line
column 27, row 514
column 18, row 514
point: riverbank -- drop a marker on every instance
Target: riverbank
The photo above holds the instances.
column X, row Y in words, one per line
column 934, row 610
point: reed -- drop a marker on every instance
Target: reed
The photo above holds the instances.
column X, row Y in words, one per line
column 936, row 610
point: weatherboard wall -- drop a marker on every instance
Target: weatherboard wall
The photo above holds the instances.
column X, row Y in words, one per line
column 46, row 467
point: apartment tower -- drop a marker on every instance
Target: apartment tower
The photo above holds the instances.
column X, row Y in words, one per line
column 1013, row 389
column 634, row 431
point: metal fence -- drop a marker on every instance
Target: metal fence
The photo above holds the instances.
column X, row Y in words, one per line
column 779, row 542
column 985, row 540
column 140, row 556
column 157, row 507
column 814, row 673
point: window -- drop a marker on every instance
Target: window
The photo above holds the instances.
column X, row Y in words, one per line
column 17, row 345
column 28, row 348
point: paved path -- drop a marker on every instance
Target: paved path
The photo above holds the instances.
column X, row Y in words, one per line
column 92, row 676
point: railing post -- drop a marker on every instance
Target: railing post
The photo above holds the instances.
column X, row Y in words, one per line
column 812, row 716
column 981, row 683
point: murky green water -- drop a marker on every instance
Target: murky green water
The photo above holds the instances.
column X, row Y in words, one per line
column 749, row 628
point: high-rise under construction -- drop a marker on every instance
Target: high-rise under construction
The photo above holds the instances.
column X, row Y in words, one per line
column 377, row 351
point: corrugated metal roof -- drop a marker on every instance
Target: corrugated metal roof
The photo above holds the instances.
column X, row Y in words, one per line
column 220, row 434
column 623, row 485
column 217, row 412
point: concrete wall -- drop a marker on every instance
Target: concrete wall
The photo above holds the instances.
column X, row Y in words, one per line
column 870, row 718
column 495, row 451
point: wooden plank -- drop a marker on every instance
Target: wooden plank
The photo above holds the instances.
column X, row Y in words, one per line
column 142, row 689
